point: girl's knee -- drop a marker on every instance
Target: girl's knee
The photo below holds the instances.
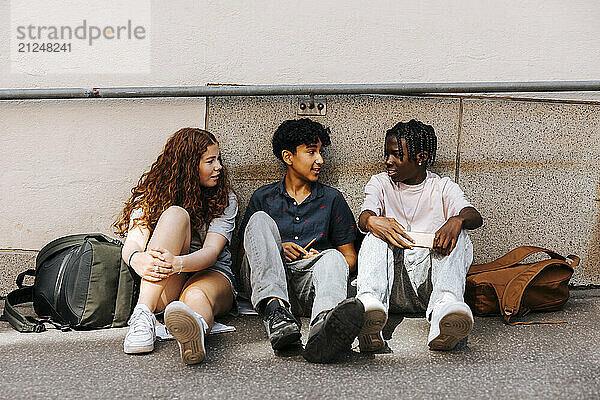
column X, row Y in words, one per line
column 195, row 294
column 176, row 214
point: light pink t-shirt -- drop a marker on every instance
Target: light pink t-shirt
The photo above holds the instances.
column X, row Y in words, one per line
column 426, row 206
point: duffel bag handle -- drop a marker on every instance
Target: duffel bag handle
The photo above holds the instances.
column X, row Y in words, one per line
column 513, row 294
column 22, row 275
column 515, row 256
column 574, row 260
column 17, row 320
column 103, row 238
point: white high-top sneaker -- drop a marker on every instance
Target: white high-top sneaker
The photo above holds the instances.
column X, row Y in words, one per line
column 370, row 338
column 188, row 328
column 450, row 322
column 141, row 335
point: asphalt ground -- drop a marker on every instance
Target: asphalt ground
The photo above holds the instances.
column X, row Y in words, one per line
column 498, row 361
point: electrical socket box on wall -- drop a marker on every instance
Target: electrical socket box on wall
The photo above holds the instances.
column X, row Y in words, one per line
column 312, row 106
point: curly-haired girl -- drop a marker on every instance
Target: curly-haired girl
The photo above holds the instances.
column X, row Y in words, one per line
column 178, row 223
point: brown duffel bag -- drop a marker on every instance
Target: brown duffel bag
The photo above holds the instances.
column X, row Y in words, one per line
column 511, row 288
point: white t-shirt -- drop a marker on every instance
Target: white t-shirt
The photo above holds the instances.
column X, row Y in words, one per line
column 425, row 207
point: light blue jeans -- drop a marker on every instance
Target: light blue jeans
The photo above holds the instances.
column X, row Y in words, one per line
column 309, row 286
column 412, row 281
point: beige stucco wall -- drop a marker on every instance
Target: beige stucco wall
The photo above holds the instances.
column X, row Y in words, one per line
column 68, row 165
column 269, row 42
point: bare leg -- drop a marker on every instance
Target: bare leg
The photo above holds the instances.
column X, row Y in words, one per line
column 173, row 233
column 208, row 293
column 171, row 291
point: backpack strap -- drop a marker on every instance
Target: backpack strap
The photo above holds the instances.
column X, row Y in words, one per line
column 511, row 300
column 513, row 257
column 25, row 294
column 14, row 317
column 21, row 277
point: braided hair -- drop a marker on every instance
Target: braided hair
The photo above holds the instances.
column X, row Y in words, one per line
column 419, row 138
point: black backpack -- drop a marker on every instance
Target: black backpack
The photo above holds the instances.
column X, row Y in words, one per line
column 81, row 282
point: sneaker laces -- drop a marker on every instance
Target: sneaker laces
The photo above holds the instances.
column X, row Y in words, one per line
column 140, row 321
column 280, row 314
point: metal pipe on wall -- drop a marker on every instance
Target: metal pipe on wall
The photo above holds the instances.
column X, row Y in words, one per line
column 317, row 89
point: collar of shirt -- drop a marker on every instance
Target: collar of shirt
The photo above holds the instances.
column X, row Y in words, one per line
column 316, row 191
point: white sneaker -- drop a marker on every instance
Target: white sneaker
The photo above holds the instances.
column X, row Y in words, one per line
column 370, row 338
column 188, row 328
column 450, row 322
column 141, row 335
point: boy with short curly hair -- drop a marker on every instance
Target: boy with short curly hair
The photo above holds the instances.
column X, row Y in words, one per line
column 298, row 237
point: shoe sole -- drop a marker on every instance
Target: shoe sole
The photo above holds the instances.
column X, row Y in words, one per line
column 285, row 337
column 370, row 338
column 138, row 349
column 453, row 327
column 342, row 326
column 185, row 329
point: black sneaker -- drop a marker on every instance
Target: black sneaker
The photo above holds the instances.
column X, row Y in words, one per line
column 282, row 328
column 333, row 331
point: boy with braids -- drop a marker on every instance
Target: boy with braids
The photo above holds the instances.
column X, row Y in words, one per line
column 298, row 238
column 394, row 275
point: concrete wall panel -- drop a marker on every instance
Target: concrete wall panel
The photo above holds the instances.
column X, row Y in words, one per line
column 245, row 126
column 531, row 168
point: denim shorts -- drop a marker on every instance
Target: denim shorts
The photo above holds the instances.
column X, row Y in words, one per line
column 225, row 270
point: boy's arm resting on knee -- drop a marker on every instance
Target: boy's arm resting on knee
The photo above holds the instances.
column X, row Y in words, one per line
column 471, row 218
column 384, row 228
column 349, row 253
column 447, row 236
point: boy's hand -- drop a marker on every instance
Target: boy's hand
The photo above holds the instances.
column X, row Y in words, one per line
column 390, row 230
column 446, row 237
column 311, row 252
column 293, row 251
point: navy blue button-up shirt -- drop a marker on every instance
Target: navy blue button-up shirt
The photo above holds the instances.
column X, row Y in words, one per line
column 323, row 215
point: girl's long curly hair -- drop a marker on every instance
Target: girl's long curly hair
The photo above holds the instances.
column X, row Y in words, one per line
column 173, row 179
